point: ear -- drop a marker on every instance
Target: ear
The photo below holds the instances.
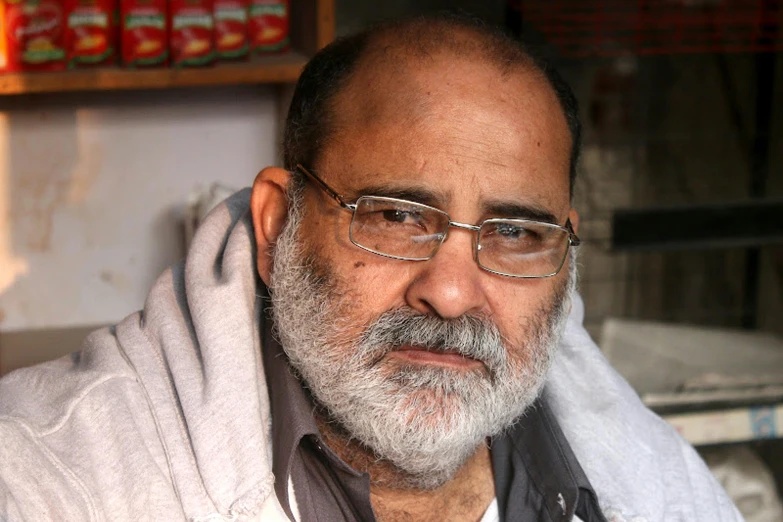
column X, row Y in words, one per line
column 269, row 208
column 574, row 217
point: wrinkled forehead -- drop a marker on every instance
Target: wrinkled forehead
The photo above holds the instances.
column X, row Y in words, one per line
column 456, row 112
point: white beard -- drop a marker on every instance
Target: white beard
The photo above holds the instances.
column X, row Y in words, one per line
column 426, row 421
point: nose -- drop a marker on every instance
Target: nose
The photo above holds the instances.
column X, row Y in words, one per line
column 449, row 284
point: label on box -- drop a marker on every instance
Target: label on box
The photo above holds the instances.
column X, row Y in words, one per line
column 90, row 30
column 34, row 35
column 268, row 25
column 192, row 32
column 231, row 29
column 144, row 33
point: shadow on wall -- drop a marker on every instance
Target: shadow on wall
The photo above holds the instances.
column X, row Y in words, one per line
column 47, row 172
column 49, row 344
column 90, row 186
column 39, row 175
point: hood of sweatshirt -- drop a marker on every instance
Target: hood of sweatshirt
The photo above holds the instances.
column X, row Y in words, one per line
column 192, row 358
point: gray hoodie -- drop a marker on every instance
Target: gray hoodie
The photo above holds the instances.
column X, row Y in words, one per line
column 165, row 416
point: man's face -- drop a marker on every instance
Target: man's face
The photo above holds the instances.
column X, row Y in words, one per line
column 422, row 360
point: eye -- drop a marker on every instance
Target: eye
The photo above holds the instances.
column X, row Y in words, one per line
column 400, row 216
column 509, row 231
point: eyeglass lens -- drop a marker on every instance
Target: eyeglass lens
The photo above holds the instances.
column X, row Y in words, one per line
column 407, row 230
column 398, row 229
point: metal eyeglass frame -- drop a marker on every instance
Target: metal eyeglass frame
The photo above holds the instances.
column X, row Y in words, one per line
column 573, row 239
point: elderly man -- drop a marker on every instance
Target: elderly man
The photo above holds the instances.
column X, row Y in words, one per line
column 419, row 354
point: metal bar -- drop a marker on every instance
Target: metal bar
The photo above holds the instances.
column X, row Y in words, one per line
column 731, row 225
column 759, row 159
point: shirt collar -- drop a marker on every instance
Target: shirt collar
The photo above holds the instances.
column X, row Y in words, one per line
column 292, row 412
column 536, row 447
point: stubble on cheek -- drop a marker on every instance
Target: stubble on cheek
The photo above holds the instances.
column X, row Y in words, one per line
column 342, row 303
column 527, row 350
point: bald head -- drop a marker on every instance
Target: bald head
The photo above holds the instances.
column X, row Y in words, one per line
column 375, row 76
column 425, row 37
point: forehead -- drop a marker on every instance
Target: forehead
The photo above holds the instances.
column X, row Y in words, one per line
column 455, row 125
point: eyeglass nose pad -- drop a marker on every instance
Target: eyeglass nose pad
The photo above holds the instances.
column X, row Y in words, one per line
column 441, row 237
column 476, row 246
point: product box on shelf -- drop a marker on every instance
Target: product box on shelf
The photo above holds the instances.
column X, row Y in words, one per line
column 231, row 40
column 91, row 32
column 4, row 58
column 268, row 26
column 31, row 35
column 144, row 33
column 192, row 33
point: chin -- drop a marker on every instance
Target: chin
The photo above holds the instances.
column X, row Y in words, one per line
column 427, row 432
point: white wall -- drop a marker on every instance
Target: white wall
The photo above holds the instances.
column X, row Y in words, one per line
column 91, row 184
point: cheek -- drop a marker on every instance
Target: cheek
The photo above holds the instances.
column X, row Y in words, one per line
column 370, row 284
column 520, row 307
column 378, row 284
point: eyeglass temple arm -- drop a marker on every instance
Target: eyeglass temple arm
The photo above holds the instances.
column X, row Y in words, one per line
column 575, row 241
column 326, row 188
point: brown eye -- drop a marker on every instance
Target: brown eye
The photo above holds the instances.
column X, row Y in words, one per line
column 395, row 216
column 509, row 231
column 402, row 217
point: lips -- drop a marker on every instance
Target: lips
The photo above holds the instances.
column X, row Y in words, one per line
column 435, row 356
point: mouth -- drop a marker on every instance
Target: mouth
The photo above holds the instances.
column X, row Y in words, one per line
column 422, row 355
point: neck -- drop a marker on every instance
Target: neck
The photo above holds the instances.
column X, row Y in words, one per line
column 391, row 493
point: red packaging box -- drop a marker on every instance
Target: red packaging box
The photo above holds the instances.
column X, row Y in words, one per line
column 90, row 32
column 4, row 57
column 192, row 33
column 33, row 35
column 231, row 42
column 144, row 33
column 268, row 26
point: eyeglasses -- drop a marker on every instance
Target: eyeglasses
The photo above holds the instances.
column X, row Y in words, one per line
column 411, row 231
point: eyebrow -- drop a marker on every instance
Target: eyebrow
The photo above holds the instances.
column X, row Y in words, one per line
column 508, row 209
column 437, row 199
column 425, row 196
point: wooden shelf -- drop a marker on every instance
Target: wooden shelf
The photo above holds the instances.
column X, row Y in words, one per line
column 284, row 68
column 311, row 26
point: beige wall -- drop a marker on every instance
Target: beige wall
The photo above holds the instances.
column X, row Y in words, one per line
column 91, row 189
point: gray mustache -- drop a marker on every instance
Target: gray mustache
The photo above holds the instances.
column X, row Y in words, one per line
column 469, row 336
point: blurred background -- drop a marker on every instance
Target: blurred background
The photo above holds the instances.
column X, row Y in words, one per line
column 104, row 173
